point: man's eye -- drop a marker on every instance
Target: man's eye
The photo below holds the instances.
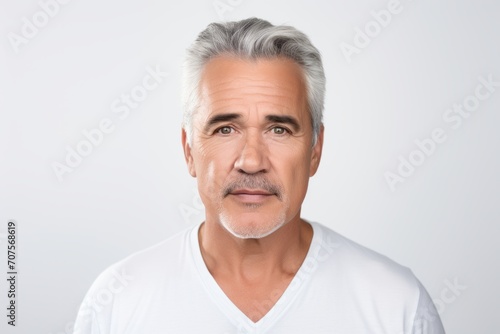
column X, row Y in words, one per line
column 279, row 130
column 225, row 130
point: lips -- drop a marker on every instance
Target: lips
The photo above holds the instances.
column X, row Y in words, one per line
column 251, row 195
column 251, row 192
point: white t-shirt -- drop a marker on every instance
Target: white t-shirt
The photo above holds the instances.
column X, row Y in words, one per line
column 341, row 288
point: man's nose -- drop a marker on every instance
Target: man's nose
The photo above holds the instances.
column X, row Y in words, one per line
column 253, row 157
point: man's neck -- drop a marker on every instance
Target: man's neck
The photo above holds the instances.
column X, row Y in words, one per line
column 253, row 260
column 254, row 273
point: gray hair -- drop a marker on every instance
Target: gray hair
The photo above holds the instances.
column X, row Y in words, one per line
column 252, row 39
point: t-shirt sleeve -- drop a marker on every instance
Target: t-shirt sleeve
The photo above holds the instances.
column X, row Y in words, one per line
column 95, row 310
column 86, row 320
column 426, row 320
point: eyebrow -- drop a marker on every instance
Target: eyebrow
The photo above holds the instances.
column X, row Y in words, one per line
column 219, row 119
column 283, row 119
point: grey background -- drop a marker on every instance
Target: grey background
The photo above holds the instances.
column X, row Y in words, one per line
column 132, row 190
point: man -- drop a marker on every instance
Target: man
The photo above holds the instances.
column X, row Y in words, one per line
column 252, row 136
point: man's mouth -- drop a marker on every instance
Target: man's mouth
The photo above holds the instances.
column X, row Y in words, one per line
column 251, row 195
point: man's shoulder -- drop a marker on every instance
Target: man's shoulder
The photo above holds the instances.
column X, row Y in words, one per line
column 362, row 265
column 136, row 279
column 372, row 284
column 155, row 262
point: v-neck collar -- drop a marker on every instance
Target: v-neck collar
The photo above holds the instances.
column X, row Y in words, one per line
column 231, row 311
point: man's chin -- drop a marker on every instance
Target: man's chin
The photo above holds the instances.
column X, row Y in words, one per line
column 251, row 230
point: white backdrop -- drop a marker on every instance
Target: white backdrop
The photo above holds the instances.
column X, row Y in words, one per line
column 398, row 72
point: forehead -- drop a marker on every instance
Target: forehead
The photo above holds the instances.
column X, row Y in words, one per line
column 229, row 82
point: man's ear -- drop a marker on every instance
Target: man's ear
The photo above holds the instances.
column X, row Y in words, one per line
column 316, row 152
column 187, row 154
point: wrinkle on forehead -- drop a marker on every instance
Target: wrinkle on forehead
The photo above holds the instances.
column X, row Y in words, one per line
column 248, row 85
column 229, row 80
column 224, row 70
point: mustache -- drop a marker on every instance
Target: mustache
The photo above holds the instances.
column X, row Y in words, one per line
column 254, row 183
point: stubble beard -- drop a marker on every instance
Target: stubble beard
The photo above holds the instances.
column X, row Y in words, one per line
column 256, row 229
column 253, row 230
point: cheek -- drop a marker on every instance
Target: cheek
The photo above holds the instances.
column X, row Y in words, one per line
column 210, row 182
column 210, row 175
column 213, row 163
column 214, row 148
column 293, row 170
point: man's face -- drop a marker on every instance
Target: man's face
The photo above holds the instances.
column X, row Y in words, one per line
column 251, row 148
